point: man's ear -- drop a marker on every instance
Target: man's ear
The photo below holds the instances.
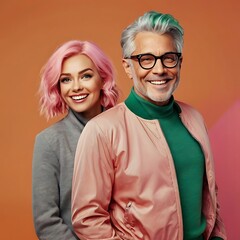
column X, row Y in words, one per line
column 180, row 62
column 127, row 67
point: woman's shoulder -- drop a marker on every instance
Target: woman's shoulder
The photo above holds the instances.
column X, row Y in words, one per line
column 52, row 129
column 52, row 132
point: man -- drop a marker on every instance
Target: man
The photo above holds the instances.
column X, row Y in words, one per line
column 144, row 169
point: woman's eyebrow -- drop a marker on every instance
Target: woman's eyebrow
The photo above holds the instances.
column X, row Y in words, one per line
column 82, row 71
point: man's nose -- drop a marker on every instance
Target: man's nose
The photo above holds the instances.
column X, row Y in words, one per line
column 158, row 67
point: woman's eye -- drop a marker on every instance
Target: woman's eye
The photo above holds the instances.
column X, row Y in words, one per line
column 65, row 80
column 86, row 76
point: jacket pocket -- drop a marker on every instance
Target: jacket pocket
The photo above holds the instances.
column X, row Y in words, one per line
column 129, row 220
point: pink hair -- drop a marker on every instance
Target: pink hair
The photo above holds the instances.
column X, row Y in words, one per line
column 51, row 102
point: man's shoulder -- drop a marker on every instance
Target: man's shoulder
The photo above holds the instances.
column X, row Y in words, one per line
column 188, row 110
column 186, row 107
column 111, row 118
column 111, row 114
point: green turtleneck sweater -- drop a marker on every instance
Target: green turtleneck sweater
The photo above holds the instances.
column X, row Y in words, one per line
column 187, row 156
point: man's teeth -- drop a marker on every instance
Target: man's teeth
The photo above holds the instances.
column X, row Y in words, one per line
column 158, row 82
column 79, row 97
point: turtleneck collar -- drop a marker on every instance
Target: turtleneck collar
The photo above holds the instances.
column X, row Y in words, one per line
column 79, row 117
column 148, row 110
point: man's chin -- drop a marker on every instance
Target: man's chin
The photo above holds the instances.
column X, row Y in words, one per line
column 159, row 101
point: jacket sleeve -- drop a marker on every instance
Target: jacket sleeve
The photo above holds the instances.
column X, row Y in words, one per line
column 196, row 117
column 45, row 194
column 218, row 231
column 219, row 228
column 93, row 178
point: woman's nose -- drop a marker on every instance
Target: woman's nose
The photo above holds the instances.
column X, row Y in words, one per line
column 77, row 85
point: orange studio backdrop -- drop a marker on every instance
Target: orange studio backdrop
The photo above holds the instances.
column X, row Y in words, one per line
column 32, row 29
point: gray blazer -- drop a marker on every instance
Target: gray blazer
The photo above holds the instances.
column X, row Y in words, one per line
column 53, row 159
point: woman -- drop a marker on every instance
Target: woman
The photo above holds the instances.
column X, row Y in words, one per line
column 77, row 79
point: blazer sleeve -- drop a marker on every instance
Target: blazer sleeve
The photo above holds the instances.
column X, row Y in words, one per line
column 45, row 193
column 93, row 178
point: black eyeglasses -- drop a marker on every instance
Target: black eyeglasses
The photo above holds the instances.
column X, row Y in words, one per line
column 148, row 60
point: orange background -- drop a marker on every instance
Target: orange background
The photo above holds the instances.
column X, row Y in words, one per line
column 31, row 30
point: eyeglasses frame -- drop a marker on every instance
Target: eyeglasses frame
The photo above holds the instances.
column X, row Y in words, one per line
column 138, row 57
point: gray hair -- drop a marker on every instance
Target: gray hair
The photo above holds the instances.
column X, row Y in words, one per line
column 151, row 22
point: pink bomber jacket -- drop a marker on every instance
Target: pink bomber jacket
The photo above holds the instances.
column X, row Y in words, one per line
column 124, row 181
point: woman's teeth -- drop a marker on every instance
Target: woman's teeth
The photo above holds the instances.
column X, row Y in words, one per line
column 79, row 97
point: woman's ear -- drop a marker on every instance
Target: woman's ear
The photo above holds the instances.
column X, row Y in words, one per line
column 127, row 67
